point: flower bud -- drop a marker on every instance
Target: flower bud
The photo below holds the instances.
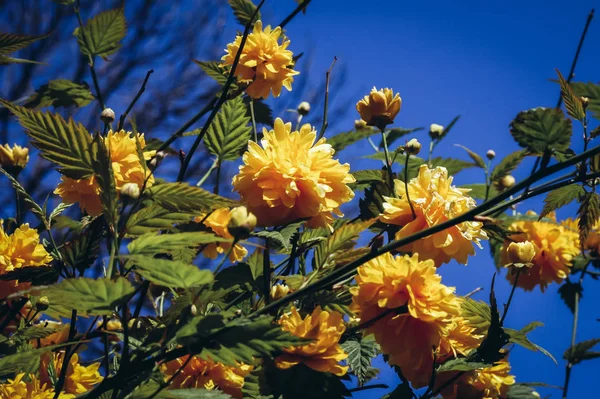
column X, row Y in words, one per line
column 520, row 254
column 359, row 124
column 304, row 108
column 435, row 131
column 13, row 159
column 131, row 190
column 107, row 116
column 241, row 222
column 379, row 108
column 491, row 154
column 42, row 304
column 413, row 147
column 193, row 310
column 585, row 101
column 279, row 291
column 508, row 181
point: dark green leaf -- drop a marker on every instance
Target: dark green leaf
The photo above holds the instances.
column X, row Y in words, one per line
column 343, row 140
column 582, row 351
column 105, row 178
column 154, row 218
column 262, row 112
column 560, row 197
column 302, row 382
column 60, row 93
column 170, row 273
column 568, row 292
column 474, row 156
column 520, row 338
column 572, row 101
column 153, row 244
column 9, row 43
column 184, row 198
column 589, row 214
column 31, row 204
column 280, row 239
column 452, row 165
column 341, row 240
column 478, row 191
column 212, row 69
column 397, row 132
column 82, row 250
column 591, row 91
column 364, row 178
column 102, row 34
column 244, row 10
column 361, row 352
column 521, row 391
column 64, row 143
column 542, row 130
column 462, row 364
column 507, row 165
column 229, row 132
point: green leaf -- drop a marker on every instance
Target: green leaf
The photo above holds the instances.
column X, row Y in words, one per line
column 182, row 197
column 37, row 275
column 37, row 331
column 60, row 93
column 452, row 165
column 60, row 208
column 341, row 240
column 243, row 11
column 520, row 338
column 582, row 351
column 448, row 128
column 364, row 178
column 478, row 191
column 560, row 197
column 31, row 204
column 542, row 130
column 477, row 314
column 102, row 34
column 462, row 364
column 521, row 391
column 262, row 112
column 281, row 239
column 589, row 214
column 212, row 69
column 507, row 165
column 87, row 296
column 27, row 360
column 154, row 218
column 474, row 156
column 343, row 140
column 103, row 172
column 9, row 42
column 361, row 352
column 302, row 382
column 82, row 250
column 64, row 143
column 591, row 91
column 229, row 132
column 169, row 273
column 531, row 326
column 371, row 206
column 255, row 385
column 240, row 340
column 154, row 244
column 192, row 393
column 567, row 293
column 572, row 101
column 397, row 132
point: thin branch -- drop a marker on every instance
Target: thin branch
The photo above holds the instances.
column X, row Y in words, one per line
column 137, row 96
column 300, row 7
column 326, row 102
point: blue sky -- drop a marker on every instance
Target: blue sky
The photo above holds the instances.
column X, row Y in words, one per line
column 485, row 61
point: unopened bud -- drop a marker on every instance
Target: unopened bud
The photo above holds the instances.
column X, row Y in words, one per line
column 520, row 254
column 42, row 304
column 413, row 147
column 508, row 181
column 491, row 154
column 107, row 116
column 304, row 108
column 159, row 156
column 241, row 223
column 193, row 310
column 435, row 131
column 585, row 101
column 359, row 124
column 131, row 190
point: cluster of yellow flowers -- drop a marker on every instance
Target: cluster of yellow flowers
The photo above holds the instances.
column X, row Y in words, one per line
column 127, row 168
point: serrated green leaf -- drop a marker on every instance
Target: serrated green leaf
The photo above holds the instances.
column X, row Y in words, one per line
column 212, row 69
column 103, row 172
column 395, row 133
column 192, row 393
column 102, row 35
column 531, row 326
column 343, row 140
column 478, row 191
column 520, row 338
column 60, row 208
column 474, row 156
column 64, row 143
column 364, row 178
column 262, row 112
column 477, row 314
column 255, row 385
column 520, row 391
column 170, row 273
column 37, row 331
column 302, row 382
column 21, row 361
column 591, row 91
column 87, row 296
column 560, row 197
column 9, row 42
column 462, row 364
column 542, row 130
column 154, row 244
column 184, row 198
column 154, row 218
column 582, row 351
column 37, row 275
column 452, row 165
column 507, row 165
column 60, row 93
column 244, row 10
column 371, row 206
column 567, row 293
column 7, row 60
column 229, row 132
column 31, row 204
column 589, row 214
column 572, row 102
column 361, row 352
column 282, row 239
column 82, row 250
column 342, row 239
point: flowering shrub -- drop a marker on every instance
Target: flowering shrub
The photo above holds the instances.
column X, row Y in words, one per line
column 156, row 287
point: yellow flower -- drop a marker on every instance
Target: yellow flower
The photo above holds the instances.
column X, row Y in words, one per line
column 19, row 389
column 292, row 177
column 217, row 221
column 488, row 383
column 15, row 158
column 520, row 254
column 555, row 246
column 379, row 108
column 435, row 200
column 199, row 373
column 461, row 340
column 420, row 310
column 20, row 249
column 264, row 64
column 126, row 166
column 324, row 353
column 279, row 291
column 80, row 379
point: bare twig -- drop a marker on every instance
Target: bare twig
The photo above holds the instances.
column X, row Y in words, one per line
column 326, row 102
column 137, row 96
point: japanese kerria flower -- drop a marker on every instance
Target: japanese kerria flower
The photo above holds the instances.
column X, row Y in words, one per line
column 379, row 108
